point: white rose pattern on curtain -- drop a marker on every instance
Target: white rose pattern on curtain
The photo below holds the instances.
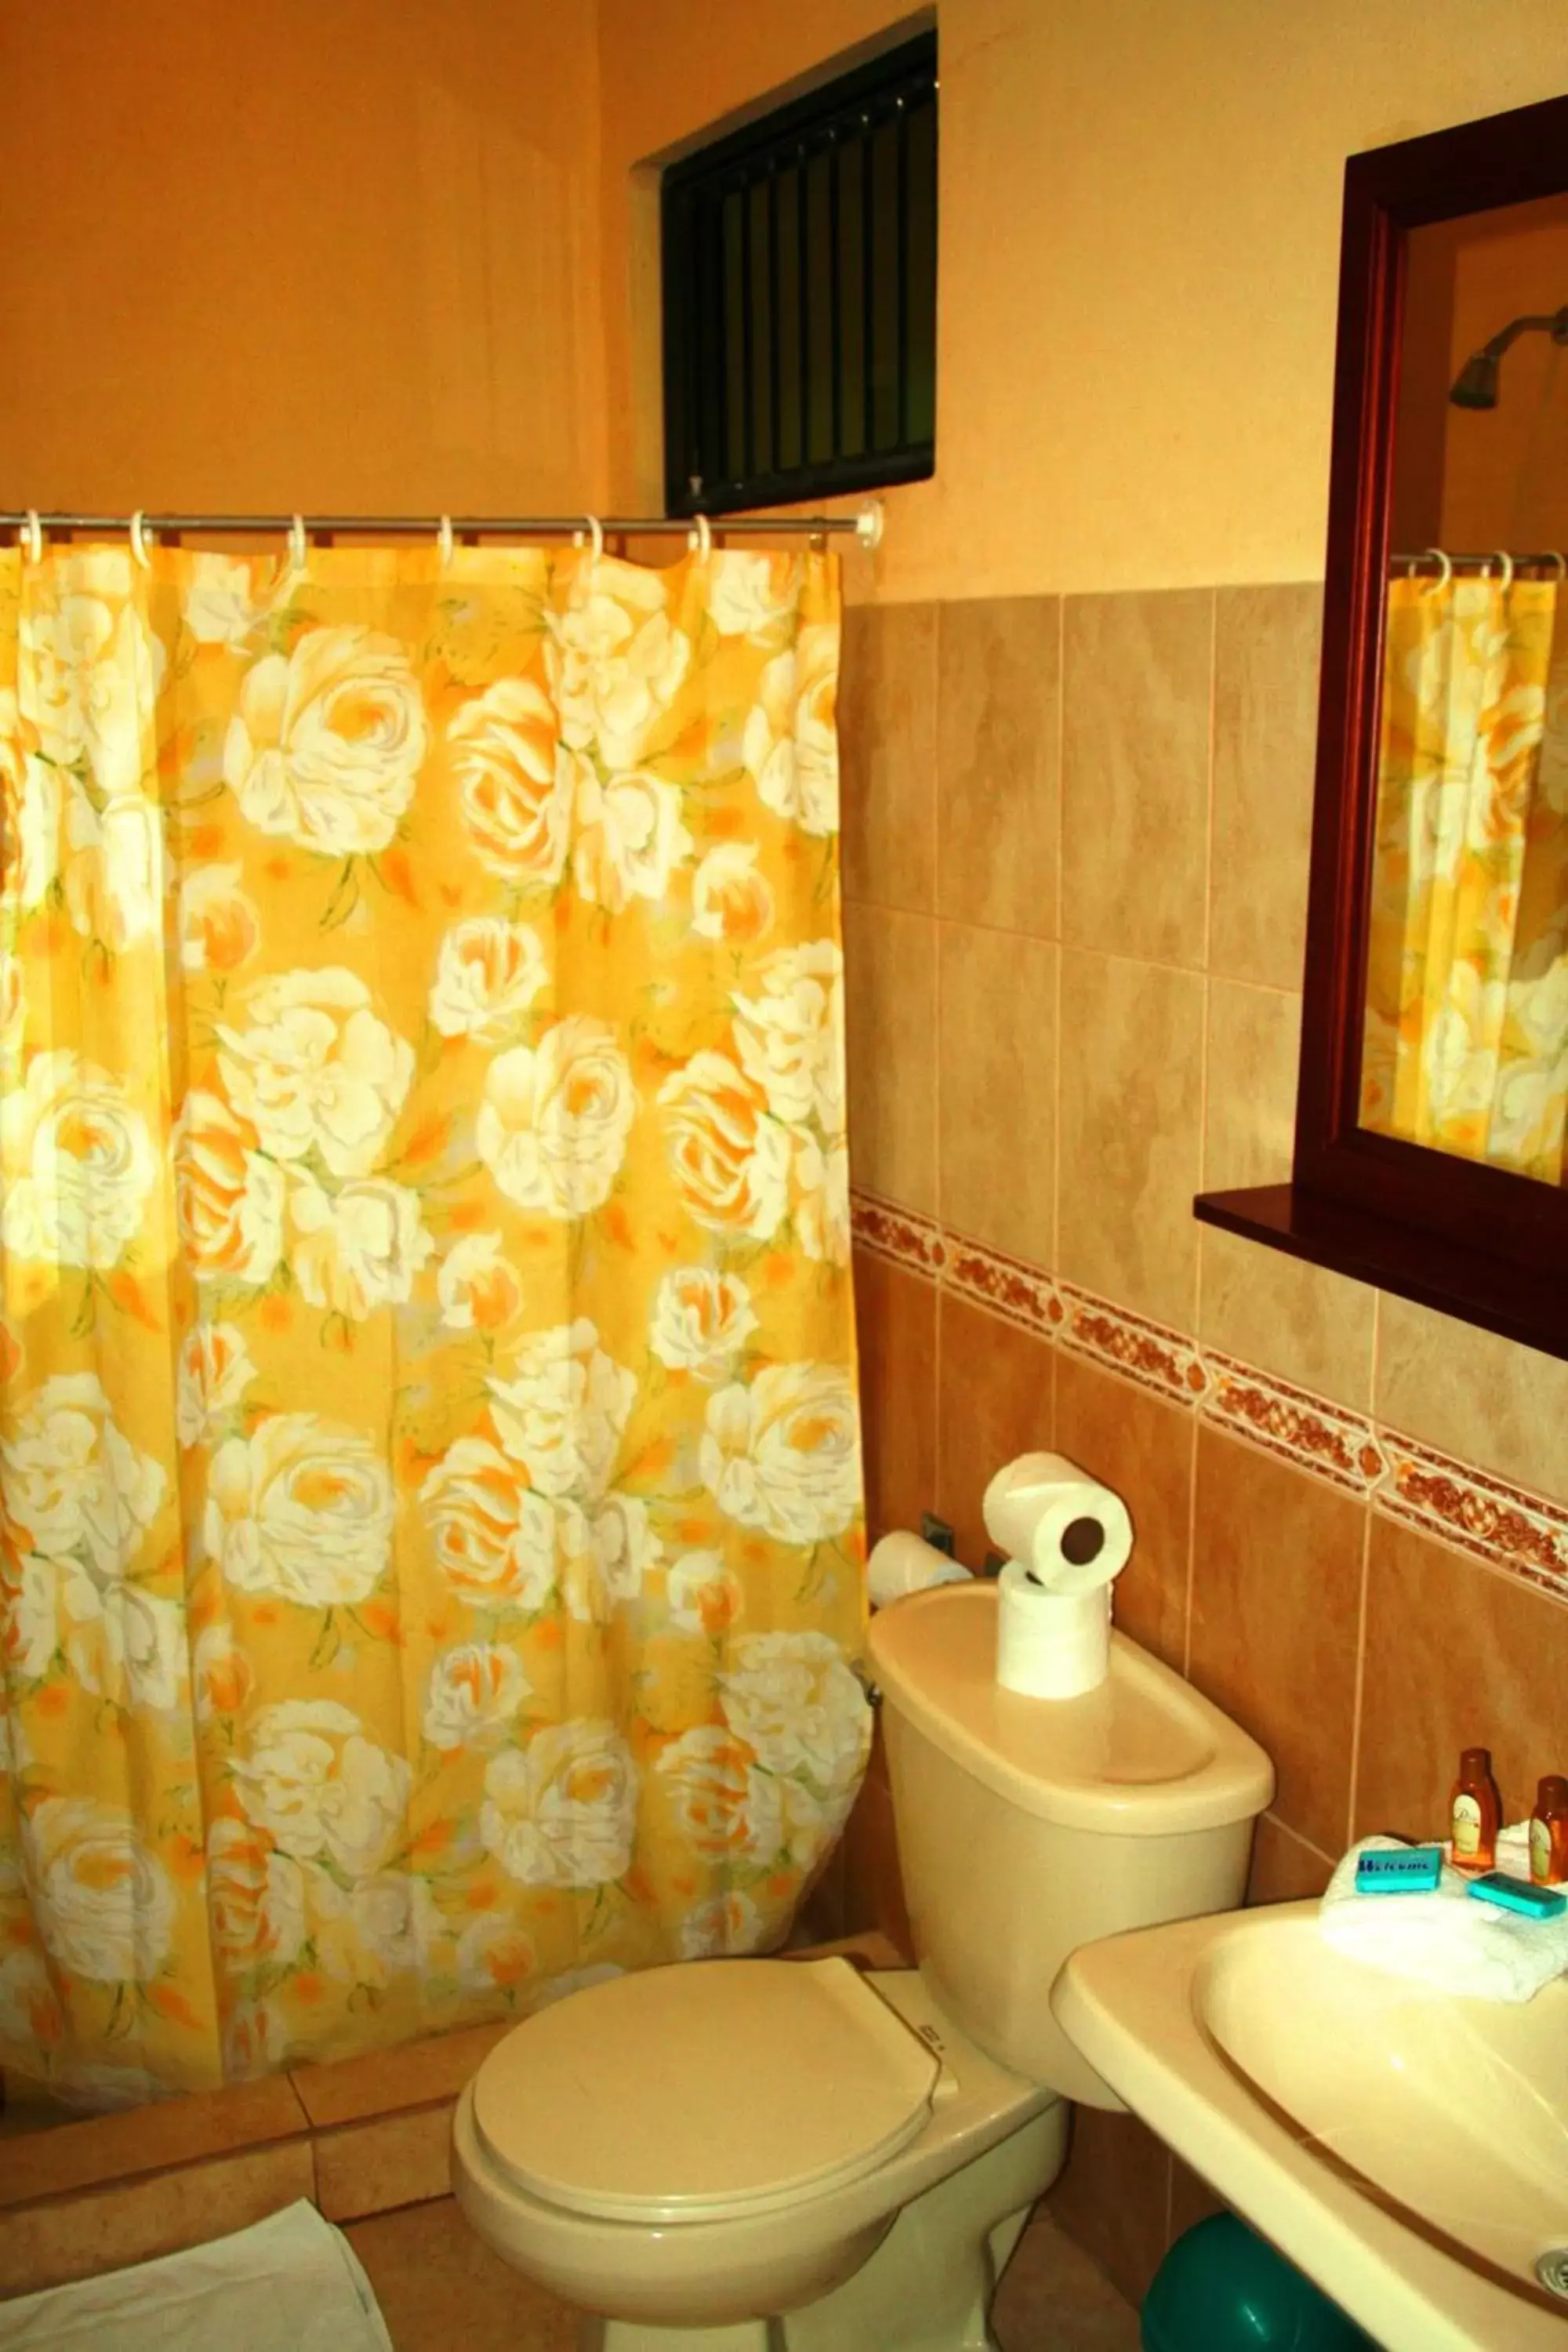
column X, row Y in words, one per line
column 430, row 1517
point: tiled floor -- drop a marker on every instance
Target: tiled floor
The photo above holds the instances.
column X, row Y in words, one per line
column 439, row 2287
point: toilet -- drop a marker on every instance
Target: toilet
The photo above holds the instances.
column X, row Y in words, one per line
column 790, row 2156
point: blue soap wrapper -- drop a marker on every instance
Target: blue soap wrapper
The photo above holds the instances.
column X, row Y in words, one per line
column 1403, row 1870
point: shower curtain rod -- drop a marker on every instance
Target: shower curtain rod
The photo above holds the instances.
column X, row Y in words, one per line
column 1436, row 556
column 867, row 525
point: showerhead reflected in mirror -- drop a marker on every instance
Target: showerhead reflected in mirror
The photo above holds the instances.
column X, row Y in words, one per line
column 1466, row 1039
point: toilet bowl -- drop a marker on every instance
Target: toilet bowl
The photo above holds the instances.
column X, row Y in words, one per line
column 785, row 2156
column 749, row 2189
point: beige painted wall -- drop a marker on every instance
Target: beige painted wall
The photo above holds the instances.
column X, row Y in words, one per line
column 300, row 255
column 1139, row 240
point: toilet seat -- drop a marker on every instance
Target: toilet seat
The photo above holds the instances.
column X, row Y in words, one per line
column 711, row 2090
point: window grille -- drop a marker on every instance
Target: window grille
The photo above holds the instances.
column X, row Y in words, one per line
column 800, row 296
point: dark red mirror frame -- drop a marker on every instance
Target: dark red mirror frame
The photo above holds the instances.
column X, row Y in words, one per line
column 1473, row 1241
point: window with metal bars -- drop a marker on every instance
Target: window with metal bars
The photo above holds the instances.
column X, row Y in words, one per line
column 800, row 296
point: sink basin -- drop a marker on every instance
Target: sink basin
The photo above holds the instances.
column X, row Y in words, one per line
column 1407, row 2150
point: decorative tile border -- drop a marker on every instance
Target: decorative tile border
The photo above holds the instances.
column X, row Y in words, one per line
column 1501, row 1524
column 1524, row 1535
column 1305, row 1430
column 1022, row 1292
column 1159, row 1360
column 896, row 1234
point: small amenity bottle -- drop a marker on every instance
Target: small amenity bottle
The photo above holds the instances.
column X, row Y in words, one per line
column 1549, row 1833
column 1476, row 1812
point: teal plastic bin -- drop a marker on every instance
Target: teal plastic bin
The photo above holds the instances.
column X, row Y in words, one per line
column 1222, row 2288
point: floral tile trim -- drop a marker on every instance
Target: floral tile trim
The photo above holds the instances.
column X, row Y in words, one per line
column 1500, row 1523
column 899, row 1234
column 1524, row 1535
column 1306, row 1429
column 1022, row 1292
column 1147, row 1352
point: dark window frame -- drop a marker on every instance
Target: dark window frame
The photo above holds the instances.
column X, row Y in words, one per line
column 723, row 384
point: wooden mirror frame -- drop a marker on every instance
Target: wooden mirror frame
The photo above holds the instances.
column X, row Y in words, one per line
column 1473, row 1241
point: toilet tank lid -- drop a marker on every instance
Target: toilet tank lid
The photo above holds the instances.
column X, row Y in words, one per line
column 1143, row 1756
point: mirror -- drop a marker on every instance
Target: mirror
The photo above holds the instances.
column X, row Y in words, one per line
column 1431, row 1153
column 1465, row 1048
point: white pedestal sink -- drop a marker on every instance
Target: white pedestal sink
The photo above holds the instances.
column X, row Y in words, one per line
column 1407, row 2150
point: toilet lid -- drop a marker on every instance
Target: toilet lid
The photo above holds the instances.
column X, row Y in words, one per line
column 714, row 2087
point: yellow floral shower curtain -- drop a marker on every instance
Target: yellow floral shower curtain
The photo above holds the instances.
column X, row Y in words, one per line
column 1466, row 1045
column 429, row 1469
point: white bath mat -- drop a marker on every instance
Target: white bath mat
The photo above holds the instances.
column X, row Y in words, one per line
column 290, row 2283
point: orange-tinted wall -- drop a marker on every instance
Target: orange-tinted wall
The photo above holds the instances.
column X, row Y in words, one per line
column 299, row 253
column 1139, row 257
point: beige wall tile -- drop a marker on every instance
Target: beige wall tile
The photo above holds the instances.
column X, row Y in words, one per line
column 385, row 2081
column 887, row 743
column 998, row 722
column 104, row 2148
column 370, row 2166
column 896, row 1318
column 1484, row 1399
column 994, row 1401
column 1276, row 1623
column 890, row 1015
column 1143, row 1449
column 1192, row 2200
column 1266, row 643
column 1457, row 1656
column 1285, row 1868
column 1136, row 674
column 1302, row 1321
column 996, row 1089
column 103, row 2229
column 873, row 1882
column 1129, row 1133
column 1114, row 2197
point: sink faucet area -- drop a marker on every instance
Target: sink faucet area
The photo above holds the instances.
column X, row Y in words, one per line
column 1407, row 2149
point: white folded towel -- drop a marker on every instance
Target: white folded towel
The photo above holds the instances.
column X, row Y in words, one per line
column 1446, row 1939
column 290, row 2283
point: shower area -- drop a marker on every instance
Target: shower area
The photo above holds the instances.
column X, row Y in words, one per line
column 431, row 1530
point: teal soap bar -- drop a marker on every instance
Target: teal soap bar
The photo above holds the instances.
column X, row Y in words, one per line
column 1401, row 1870
column 1517, row 1895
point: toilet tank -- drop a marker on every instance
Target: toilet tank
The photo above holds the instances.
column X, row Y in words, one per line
column 1029, row 1826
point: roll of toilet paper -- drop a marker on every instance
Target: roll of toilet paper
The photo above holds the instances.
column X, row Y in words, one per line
column 902, row 1563
column 1051, row 1644
column 1072, row 1534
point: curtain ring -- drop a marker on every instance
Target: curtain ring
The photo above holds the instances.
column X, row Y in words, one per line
column 597, row 529
column 298, row 543
column 141, row 539
column 1556, row 554
column 444, row 540
column 31, row 538
column 1445, row 577
column 700, row 540
column 1506, row 559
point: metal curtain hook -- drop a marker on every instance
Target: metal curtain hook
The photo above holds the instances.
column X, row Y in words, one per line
column 298, row 543
column 596, row 532
column 1556, row 555
column 31, row 537
column 700, row 540
column 444, row 538
column 1447, row 573
column 141, row 539
column 1506, row 559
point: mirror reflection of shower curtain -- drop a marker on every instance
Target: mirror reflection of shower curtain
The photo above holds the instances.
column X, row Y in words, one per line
column 430, row 1512
column 1466, row 1045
